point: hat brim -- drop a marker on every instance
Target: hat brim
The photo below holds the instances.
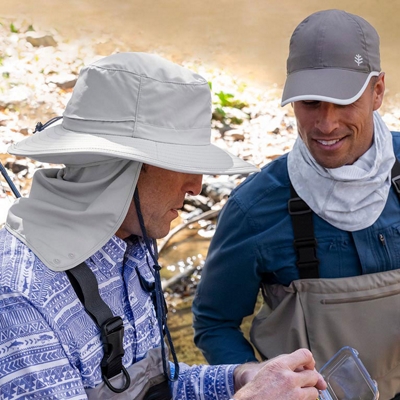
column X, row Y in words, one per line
column 58, row 145
column 336, row 86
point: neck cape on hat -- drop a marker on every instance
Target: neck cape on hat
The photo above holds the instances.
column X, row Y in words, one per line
column 332, row 57
column 140, row 107
column 73, row 211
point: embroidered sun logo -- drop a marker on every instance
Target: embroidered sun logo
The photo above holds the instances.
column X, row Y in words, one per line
column 358, row 59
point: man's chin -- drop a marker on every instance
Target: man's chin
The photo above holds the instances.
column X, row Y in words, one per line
column 161, row 234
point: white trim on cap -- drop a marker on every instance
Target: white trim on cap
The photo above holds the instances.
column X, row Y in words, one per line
column 342, row 102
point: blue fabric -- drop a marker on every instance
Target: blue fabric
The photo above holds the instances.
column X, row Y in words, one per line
column 254, row 242
column 49, row 346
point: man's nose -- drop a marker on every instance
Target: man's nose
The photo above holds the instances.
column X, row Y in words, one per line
column 193, row 184
column 327, row 118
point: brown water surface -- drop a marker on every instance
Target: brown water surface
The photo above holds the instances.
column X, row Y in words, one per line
column 247, row 38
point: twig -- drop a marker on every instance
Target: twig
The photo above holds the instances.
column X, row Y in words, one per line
column 206, row 215
column 187, row 272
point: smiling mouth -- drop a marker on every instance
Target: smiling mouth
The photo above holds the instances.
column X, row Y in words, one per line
column 328, row 142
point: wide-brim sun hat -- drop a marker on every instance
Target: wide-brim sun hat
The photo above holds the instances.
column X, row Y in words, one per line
column 140, row 107
column 333, row 55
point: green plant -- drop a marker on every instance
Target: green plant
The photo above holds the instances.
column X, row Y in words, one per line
column 228, row 100
column 13, row 28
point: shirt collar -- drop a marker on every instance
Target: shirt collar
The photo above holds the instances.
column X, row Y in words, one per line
column 110, row 256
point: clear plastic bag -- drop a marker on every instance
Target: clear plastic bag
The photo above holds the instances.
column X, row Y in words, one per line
column 347, row 378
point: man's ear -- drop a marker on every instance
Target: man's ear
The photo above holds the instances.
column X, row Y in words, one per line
column 379, row 91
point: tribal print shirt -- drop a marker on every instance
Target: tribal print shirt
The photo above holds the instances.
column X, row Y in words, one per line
column 49, row 346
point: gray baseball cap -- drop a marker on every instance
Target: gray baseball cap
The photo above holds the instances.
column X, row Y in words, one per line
column 332, row 57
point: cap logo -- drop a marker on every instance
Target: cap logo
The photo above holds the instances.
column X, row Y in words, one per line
column 358, row 59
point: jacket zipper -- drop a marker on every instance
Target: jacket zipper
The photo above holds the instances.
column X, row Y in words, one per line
column 383, row 242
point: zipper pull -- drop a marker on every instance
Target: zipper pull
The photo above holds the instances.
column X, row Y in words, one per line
column 382, row 239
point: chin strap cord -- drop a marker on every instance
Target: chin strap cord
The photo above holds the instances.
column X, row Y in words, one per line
column 39, row 126
column 9, row 181
column 160, row 305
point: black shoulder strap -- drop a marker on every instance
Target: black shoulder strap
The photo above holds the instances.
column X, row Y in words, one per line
column 396, row 177
column 86, row 287
column 304, row 239
column 303, row 228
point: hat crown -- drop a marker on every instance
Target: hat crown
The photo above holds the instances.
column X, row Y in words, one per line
column 333, row 55
column 137, row 94
column 334, row 39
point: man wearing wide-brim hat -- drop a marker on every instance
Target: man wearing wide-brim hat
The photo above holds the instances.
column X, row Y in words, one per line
column 82, row 310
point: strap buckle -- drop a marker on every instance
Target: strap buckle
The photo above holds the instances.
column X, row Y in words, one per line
column 305, row 242
column 396, row 183
column 306, row 250
column 307, row 258
column 112, row 334
column 298, row 206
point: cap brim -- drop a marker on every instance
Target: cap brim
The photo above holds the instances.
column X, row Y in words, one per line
column 61, row 146
column 336, row 86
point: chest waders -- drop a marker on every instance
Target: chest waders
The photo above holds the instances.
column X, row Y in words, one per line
column 144, row 380
column 325, row 315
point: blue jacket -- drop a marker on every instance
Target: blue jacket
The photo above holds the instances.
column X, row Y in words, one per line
column 254, row 242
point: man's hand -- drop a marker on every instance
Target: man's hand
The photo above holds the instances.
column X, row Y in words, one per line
column 286, row 377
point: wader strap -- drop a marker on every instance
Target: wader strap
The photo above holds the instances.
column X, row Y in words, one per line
column 303, row 228
column 304, row 239
column 396, row 177
column 86, row 287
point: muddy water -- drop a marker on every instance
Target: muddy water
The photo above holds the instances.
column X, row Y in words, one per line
column 247, row 38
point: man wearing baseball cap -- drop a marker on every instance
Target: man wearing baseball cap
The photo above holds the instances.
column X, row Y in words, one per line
column 82, row 311
column 317, row 229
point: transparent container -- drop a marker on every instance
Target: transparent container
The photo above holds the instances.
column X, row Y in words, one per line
column 347, row 378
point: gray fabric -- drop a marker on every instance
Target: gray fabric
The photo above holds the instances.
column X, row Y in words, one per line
column 144, row 374
column 72, row 212
column 332, row 57
column 351, row 197
column 325, row 315
column 136, row 106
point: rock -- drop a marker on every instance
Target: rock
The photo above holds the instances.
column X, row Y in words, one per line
column 17, row 165
column 25, row 131
column 207, row 232
column 14, row 96
column 234, row 134
column 219, row 188
column 37, row 39
column 63, row 81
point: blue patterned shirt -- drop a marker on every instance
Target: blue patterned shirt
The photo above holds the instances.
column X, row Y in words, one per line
column 49, row 346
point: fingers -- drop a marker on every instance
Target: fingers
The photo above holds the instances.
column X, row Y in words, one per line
column 309, row 393
column 276, row 381
column 321, row 384
column 300, row 359
column 310, row 378
column 302, row 362
column 290, row 376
